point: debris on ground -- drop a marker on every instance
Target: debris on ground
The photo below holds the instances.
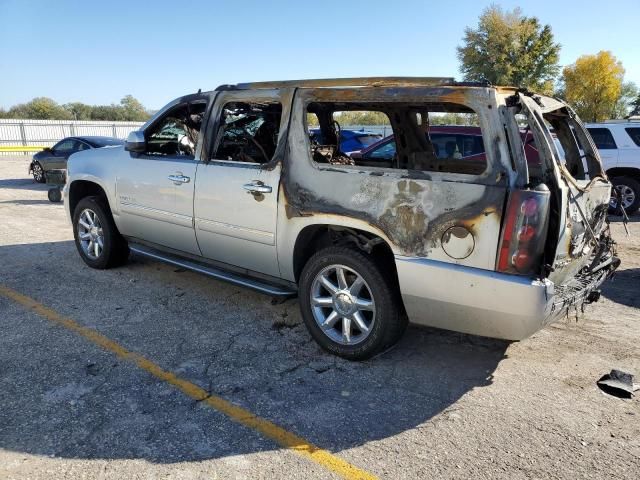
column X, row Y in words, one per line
column 618, row 383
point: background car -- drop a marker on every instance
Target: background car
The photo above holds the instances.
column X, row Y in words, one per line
column 449, row 141
column 56, row 157
column 350, row 140
column 619, row 145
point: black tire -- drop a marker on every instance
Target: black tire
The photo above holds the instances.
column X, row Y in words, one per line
column 115, row 250
column 38, row 172
column 626, row 182
column 389, row 321
column 54, row 195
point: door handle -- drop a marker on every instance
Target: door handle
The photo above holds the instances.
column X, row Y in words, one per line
column 179, row 179
column 257, row 187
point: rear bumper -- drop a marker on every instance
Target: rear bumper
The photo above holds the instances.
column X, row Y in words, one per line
column 482, row 302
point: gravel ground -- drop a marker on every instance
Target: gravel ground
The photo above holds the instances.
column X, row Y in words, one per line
column 439, row 405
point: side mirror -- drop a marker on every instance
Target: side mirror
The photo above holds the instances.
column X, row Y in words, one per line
column 47, row 149
column 136, row 142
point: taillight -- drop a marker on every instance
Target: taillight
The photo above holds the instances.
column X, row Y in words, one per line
column 525, row 231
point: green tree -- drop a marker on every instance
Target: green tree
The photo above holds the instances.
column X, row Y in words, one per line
column 593, row 85
column 508, row 48
column 78, row 110
column 40, row 108
column 636, row 107
column 133, row 110
column 625, row 104
column 108, row 112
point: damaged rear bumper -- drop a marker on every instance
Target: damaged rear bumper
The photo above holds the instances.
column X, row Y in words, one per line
column 487, row 303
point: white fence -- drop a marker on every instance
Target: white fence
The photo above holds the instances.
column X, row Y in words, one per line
column 44, row 133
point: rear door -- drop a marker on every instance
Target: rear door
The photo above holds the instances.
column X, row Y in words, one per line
column 580, row 191
column 236, row 198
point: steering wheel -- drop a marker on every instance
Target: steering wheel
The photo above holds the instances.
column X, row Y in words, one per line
column 255, row 142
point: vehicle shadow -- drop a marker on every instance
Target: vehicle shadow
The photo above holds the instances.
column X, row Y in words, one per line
column 61, row 395
column 22, row 184
column 28, row 202
column 620, row 288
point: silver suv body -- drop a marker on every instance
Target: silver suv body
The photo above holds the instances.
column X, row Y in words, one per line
column 473, row 236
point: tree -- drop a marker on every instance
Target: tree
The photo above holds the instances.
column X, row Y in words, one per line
column 636, row 107
column 625, row 104
column 40, row 108
column 79, row 111
column 133, row 110
column 593, row 85
column 508, row 48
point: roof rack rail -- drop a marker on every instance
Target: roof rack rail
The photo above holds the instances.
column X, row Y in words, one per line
column 346, row 82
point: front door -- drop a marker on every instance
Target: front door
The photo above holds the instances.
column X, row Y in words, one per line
column 155, row 190
column 236, row 202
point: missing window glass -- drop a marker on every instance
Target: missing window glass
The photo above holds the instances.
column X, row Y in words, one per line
column 398, row 136
column 248, row 132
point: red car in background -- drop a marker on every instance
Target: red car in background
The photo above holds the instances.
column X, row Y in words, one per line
column 449, row 141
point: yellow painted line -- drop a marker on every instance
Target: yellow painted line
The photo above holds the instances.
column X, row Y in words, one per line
column 20, row 148
column 270, row 430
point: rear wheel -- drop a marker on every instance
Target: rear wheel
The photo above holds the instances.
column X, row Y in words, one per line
column 349, row 306
column 626, row 194
column 97, row 239
column 37, row 172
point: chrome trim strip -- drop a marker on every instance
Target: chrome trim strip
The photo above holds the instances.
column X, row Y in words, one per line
column 218, row 274
column 155, row 214
column 236, row 231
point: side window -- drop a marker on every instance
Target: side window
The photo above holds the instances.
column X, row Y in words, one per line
column 82, row 146
column 385, row 151
column 602, row 138
column 248, row 132
column 634, row 133
column 65, row 146
column 437, row 137
column 177, row 132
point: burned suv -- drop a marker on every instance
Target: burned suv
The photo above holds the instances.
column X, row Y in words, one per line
column 229, row 183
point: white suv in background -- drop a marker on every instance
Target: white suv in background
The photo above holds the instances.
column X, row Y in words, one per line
column 619, row 146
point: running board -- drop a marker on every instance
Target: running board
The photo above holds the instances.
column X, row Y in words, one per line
column 218, row 273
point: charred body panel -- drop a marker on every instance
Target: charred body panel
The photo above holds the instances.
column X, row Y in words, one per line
column 411, row 209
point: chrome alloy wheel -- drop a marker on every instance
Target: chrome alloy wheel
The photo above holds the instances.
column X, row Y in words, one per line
column 90, row 234
column 342, row 304
column 38, row 173
column 625, row 194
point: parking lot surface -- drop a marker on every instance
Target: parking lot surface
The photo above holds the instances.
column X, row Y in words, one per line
column 439, row 405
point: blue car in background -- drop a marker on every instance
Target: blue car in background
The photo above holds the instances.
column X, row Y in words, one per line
column 350, row 140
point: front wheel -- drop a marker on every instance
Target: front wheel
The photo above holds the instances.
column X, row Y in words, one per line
column 350, row 307
column 626, row 194
column 37, row 172
column 97, row 239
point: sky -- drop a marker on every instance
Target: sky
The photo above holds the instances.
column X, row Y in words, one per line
column 98, row 52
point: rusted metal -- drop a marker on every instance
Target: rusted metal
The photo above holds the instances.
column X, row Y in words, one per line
column 345, row 82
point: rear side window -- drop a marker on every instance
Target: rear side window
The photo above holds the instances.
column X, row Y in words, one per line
column 634, row 133
column 602, row 138
column 431, row 137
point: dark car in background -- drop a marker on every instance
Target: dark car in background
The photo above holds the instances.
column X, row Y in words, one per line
column 350, row 140
column 455, row 142
column 55, row 158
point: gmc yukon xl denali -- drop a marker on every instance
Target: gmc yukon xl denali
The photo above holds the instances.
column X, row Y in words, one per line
column 229, row 183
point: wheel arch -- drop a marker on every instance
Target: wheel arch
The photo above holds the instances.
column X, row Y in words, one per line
column 624, row 172
column 79, row 189
column 314, row 237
